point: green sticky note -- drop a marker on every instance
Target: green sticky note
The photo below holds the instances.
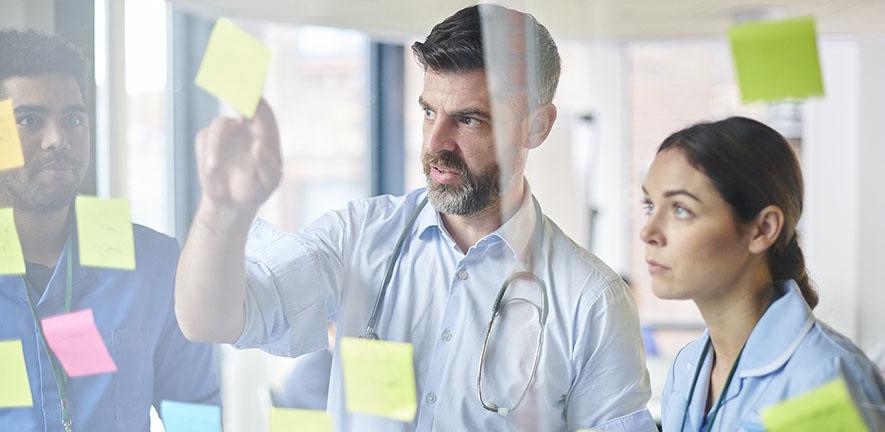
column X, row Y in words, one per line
column 104, row 230
column 777, row 59
column 15, row 391
column 826, row 408
column 10, row 146
column 289, row 420
column 11, row 259
column 234, row 67
column 379, row 378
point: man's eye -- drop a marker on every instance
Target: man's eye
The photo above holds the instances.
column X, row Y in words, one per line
column 470, row 121
column 28, row 121
column 428, row 113
column 73, row 121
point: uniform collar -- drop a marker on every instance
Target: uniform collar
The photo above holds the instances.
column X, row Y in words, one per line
column 516, row 232
column 778, row 333
column 772, row 342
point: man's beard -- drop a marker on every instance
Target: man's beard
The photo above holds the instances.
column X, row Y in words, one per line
column 22, row 190
column 475, row 193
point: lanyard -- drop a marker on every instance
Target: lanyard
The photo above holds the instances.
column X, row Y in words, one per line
column 697, row 373
column 57, row 373
column 694, row 383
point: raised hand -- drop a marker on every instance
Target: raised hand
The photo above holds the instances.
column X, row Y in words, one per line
column 239, row 161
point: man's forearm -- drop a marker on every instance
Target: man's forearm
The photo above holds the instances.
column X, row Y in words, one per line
column 211, row 279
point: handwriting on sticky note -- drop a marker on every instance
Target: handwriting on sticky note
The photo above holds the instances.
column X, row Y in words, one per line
column 776, row 59
column 11, row 259
column 76, row 342
column 829, row 407
column 379, row 378
column 15, row 390
column 10, row 146
column 286, row 419
column 190, row 417
column 104, row 231
column 234, row 67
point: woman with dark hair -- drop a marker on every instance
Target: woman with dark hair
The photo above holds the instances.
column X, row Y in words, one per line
column 723, row 200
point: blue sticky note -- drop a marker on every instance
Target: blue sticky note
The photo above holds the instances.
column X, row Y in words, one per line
column 190, row 417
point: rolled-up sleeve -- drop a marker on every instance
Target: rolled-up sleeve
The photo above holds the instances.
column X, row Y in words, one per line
column 612, row 386
column 290, row 280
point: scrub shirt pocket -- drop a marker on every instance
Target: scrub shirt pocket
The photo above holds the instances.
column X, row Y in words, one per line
column 129, row 381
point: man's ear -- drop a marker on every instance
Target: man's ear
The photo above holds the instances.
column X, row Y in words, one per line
column 540, row 124
column 766, row 228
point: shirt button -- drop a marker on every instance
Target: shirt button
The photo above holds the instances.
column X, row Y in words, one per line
column 447, row 335
column 462, row 274
column 431, row 398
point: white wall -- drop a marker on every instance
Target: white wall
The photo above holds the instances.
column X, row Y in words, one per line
column 845, row 206
column 871, row 184
column 585, row 164
column 30, row 14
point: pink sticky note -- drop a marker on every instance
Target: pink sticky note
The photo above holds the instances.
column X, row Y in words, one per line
column 77, row 344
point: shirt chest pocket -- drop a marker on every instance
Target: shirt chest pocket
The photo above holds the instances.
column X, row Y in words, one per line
column 133, row 387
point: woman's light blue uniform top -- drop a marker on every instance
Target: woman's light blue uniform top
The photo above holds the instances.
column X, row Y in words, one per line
column 788, row 353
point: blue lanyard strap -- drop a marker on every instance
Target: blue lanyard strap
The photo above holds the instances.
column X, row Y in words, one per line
column 722, row 395
column 57, row 372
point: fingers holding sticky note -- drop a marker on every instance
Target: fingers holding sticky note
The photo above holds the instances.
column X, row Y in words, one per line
column 76, row 342
column 379, row 378
column 15, row 389
column 234, row 67
column 104, row 232
column 11, row 155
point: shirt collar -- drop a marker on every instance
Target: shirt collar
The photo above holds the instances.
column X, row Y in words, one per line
column 778, row 333
column 516, row 232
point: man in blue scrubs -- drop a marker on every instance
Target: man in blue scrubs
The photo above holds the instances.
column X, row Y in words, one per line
column 46, row 78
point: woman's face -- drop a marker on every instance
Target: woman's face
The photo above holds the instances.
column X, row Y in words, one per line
column 694, row 247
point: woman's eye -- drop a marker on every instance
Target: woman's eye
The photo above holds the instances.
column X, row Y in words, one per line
column 681, row 212
column 647, row 207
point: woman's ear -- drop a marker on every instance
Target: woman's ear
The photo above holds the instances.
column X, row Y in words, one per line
column 766, row 228
column 541, row 124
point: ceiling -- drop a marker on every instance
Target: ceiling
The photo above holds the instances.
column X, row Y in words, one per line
column 608, row 19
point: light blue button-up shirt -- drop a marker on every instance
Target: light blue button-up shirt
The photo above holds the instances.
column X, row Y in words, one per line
column 788, row 353
column 591, row 371
column 134, row 314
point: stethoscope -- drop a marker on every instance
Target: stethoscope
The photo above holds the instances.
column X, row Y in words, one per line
column 57, row 373
column 370, row 332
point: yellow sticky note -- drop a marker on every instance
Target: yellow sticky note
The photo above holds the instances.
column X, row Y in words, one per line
column 777, row 59
column 379, row 378
column 104, row 231
column 829, row 407
column 234, row 67
column 10, row 146
column 302, row 420
column 15, row 390
column 11, row 259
